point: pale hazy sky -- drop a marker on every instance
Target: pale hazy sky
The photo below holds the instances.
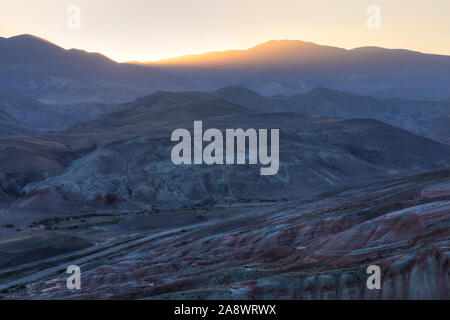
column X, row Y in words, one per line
column 154, row 29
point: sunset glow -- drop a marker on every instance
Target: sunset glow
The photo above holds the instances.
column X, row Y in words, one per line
column 151, row 30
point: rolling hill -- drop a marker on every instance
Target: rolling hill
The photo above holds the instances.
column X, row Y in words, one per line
column 426, row 118
column 122, row 161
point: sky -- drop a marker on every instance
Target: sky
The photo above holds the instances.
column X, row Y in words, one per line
column 147, row 30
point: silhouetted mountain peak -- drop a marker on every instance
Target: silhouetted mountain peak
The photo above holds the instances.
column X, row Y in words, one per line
column 28, row 40
column 283, row 44
column 370, row 49
column 381, row 50
column 27, row 37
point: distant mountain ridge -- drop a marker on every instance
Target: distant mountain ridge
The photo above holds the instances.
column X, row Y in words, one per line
column 39, row 69
column 293, row 66
column 42, row 70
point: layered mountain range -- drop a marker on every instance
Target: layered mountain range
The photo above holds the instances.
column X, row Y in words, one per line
column 41, row 70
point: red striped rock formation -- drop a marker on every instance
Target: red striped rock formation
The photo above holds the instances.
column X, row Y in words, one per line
column 315, row 249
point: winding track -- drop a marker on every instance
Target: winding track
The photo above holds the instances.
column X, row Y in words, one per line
column 81, row 256
column 61, row 262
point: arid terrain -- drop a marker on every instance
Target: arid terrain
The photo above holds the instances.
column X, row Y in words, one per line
column 311, row 248
column 86, row 176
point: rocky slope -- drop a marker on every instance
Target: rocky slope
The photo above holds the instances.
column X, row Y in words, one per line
column 126, row 162
column 426, row 118
column 311, row 248
column 31, row 112
column 10, row 126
